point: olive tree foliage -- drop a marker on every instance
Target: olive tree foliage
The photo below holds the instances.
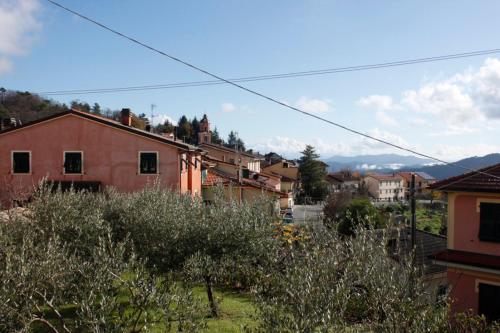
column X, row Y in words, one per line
column 63, row 270
column 332, row 283
column 225, row 243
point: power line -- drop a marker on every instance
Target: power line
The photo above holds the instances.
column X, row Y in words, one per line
column 215, row 76
column 274, row 76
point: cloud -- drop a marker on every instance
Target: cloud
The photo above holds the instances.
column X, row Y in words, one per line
column 377, row 102
column 160, row 119
column 291, row 147
column 385, row 119
column 313, row 105
column 228, row 107
column 446, row 100
column 455, row 153
column 18, row 25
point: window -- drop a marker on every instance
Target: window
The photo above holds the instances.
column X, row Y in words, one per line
column 489, row 301
column 286, row 165
column 148, row 163
column 21, row 162
column 73, row 162
column 489, row 217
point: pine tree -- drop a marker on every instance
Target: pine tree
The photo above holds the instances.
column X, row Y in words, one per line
column 195, row 125
column 216, row 137
column 312, row 174
column 184, row 129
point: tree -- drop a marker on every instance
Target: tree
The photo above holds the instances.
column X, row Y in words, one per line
column 96, row 109
column 312, row 174
column 216, row 137
column 359, row 213
column 184, row 129
column 232, row 140
column 195, row 125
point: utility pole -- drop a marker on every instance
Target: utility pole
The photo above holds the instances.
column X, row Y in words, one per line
column 413, row 209
column 413, row 235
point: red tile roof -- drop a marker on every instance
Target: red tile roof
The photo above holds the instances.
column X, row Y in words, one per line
column 468, row 258
column 472, row 181
column 109, row 122
column 380, row 177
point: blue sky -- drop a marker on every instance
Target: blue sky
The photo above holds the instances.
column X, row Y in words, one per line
column 450, row 109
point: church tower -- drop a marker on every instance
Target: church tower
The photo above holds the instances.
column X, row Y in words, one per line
column 204, row 135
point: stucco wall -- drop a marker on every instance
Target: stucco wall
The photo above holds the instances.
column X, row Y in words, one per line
column 110, row 155
column 465, row 231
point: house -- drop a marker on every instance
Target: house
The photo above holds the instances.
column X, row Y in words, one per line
column 240, row 184
column 472, row 256
column 86, row 150
column 232, row 156
column 343, row 181
column 288, row 171
column 422, row 182
column 385, row 187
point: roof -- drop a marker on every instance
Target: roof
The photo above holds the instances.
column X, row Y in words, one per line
column 231, row 150
column 468, row 258
column 109, row 122
column 215, row 177
column 341, row 177
column 425, row 175
column 381, row 177
column 472, row 181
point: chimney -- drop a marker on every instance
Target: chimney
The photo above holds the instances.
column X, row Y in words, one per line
column 6, row 123
column 126, row 117
column 148, row 128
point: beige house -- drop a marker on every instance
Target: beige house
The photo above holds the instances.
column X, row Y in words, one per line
column 385, row 187
column 241, row 184
column 233, row 156
column 289, row 173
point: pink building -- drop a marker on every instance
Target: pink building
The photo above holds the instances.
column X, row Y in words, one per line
column 473, row 250
column 83, row 149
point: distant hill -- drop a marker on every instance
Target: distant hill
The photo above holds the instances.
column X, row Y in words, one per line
column 444, row 171
column 380, row 163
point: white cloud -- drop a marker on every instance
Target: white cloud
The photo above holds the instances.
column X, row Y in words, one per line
column 418, row 121
column 313, row 105
column 454, row 153
column 291, row 147
column 161, row 118
column 228, row 107
column 377, row 102
column 385, row 119
column 18, row 24
column 446, row 100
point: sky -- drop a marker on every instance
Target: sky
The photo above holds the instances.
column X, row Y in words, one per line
column 448, row 109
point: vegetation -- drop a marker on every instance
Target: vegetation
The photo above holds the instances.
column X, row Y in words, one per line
column 112, row 262
column 312, row 175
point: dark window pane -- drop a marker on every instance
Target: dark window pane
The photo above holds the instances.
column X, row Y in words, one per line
column 148, row 163
column 489, row 229
column 73, row 162
column 21, row 162
column 489, row 301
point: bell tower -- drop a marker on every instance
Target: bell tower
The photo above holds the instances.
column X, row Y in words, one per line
column 204, row 135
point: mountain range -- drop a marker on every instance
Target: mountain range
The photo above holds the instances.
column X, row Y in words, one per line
column 388, row 163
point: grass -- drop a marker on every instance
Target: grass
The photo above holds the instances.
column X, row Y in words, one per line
column 428, row 219
column 236, row 312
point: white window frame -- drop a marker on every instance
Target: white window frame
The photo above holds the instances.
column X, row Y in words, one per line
column 12, row 162
column 139, row 162
column 64, row 162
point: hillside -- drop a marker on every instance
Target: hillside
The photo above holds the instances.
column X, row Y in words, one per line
column 444, row 171
column 379, row 163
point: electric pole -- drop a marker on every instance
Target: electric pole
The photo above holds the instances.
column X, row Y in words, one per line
column 153, row 107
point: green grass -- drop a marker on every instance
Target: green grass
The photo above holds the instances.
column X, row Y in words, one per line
column 428, row 220
column 236, row 311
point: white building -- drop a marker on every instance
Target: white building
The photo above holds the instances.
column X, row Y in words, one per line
column 385, row 187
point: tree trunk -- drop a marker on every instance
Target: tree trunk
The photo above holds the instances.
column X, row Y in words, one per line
column 211, row 300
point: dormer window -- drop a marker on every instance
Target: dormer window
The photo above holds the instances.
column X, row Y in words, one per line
column 489, row 216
